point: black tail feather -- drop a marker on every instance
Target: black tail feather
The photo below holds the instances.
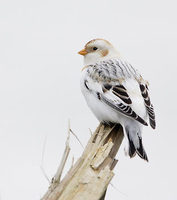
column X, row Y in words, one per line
column 132, row 150
column 140, row 150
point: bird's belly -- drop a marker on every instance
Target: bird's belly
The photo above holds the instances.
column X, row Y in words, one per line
column 102, row 112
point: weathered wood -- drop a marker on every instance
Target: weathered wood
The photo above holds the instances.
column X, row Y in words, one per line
column 91, row 174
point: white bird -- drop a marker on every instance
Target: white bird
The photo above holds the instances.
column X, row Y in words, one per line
column 116, row 92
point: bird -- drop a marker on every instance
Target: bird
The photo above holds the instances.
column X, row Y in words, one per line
column 116, row 93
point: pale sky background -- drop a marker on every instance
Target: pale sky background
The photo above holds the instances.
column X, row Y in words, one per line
column 40, row 91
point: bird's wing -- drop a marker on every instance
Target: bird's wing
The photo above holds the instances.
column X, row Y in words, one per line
column 121, row 102
column 105, row 83
column 148, row 104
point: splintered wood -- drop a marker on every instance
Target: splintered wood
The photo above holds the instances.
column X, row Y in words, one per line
column 89, row 177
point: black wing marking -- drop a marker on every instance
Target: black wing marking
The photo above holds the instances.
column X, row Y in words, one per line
column 85, row 83
column 124, row 109
column 121, row 92
column 148, row 104
column 118, row 90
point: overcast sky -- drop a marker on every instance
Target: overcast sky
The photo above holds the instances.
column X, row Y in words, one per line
column 39, row 90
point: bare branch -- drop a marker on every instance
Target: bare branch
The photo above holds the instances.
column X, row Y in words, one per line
column 42, row 160
column 90, row 132
column 76, row 138
column 118, row 190
column 57, row 176
column 72, row 162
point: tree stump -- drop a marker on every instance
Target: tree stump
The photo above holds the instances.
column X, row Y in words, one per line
column 90, row 176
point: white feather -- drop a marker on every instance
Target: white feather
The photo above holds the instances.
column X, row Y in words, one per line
column 105, row 105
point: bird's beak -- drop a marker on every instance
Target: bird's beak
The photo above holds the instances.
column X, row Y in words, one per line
column 83, row 52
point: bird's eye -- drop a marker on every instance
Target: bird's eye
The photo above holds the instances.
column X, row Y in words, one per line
column 95, row 48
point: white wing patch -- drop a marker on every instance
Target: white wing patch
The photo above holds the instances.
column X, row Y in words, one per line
column 118, row 104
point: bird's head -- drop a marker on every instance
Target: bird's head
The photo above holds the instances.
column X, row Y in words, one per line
column 97, row 50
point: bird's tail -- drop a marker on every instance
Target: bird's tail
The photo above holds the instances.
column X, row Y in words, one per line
column 135, row 142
